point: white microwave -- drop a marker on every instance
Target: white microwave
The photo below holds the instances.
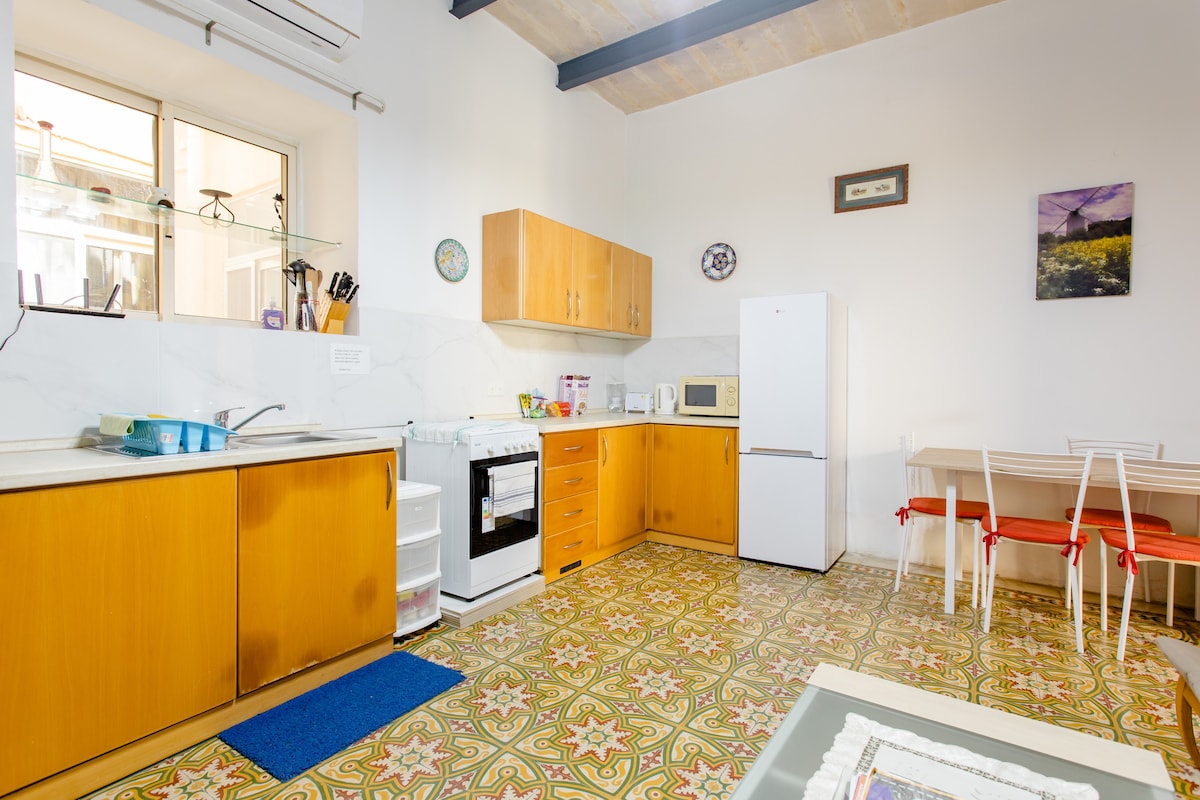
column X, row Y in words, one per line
column 709, row 396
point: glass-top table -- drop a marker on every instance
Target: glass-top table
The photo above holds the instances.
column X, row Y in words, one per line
column 796, row 751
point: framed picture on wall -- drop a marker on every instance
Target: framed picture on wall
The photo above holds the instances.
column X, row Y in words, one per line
column 1085, row 240
column 871, row 189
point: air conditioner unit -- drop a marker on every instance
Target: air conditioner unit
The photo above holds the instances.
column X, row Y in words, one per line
column 329, row 27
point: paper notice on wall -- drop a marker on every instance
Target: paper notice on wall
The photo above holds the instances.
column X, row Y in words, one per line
column 349, row 359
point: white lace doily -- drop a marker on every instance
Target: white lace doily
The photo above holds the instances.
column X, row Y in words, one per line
column 949, row 771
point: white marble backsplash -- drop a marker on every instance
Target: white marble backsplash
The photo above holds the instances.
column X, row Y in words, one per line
column 59, row 372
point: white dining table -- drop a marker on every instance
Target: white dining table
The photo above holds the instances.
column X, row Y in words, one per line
column 955, row 463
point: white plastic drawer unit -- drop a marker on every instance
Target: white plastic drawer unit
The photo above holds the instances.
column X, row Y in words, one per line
column 418, row 604
column 416, row 510
column 417, row 557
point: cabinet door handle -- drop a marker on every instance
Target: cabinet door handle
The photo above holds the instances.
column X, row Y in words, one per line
column 637, row 319
column 572, row 448
column 568, row 304
column 569, row 546
column 573, row 513
column 604, row 441
column 578, row 306
column 726, row 449
column 573, row 480
column 388, row 503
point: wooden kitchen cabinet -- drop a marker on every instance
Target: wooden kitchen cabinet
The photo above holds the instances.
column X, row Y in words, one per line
column 694, row 486
column 569, row 502
column 623, row 487
column 118, row 612
column 527, row 268
column 316, row 562
column 631, row 291
column 542, row 273
column 591, row 280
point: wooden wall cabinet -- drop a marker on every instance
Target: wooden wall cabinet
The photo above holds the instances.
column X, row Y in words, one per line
column 623, row 488
column 694, row 486
column 316, row 562
column 542, row 273
column 631, row 291
column 118, row 612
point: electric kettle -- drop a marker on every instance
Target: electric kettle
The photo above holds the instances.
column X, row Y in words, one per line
column 664, row 398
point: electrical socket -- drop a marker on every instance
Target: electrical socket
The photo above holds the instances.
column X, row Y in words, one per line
column 495, row 389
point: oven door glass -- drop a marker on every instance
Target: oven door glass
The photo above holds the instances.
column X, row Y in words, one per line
column 503, row 502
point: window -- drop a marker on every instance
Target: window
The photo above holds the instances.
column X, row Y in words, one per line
column 222, row 257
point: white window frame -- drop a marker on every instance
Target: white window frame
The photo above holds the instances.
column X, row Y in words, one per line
column 167, row 112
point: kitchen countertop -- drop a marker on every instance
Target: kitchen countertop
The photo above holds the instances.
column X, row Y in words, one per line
column 605, row 419
column 43, row 466
column 27, row 469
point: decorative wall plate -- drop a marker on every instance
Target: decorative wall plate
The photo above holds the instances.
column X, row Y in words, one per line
column 451, row 260
column 718, row 262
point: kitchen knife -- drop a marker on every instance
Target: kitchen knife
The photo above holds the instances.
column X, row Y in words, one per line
column 333, row 283
column 344, row 287
column 353, row 292
column 112, row 298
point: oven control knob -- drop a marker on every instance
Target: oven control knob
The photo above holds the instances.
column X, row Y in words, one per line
column 491, row 450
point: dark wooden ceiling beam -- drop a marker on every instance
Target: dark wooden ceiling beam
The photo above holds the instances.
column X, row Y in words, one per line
column 462, row 8
column 699, row 26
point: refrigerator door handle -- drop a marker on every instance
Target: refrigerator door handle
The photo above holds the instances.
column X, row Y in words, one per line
column 769, row 451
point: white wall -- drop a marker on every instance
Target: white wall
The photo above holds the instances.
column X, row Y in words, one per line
column 989, row 109
column 473, row 124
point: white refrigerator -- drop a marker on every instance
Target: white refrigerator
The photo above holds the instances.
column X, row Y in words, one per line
column 792, row 431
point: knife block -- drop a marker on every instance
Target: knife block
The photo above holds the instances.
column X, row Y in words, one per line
column 331, row 314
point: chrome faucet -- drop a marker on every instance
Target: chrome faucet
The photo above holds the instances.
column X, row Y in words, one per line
column 221, row 418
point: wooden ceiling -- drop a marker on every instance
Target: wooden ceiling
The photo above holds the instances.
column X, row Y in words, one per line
column 659, row 51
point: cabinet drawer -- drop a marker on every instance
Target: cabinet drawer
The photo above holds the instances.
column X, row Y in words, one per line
column 571, row 447
column 570, row 512
column 569, row 480
column 567, row 548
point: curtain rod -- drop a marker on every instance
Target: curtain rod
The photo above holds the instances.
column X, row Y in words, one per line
column 357, row 96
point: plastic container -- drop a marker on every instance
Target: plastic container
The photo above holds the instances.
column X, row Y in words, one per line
column 417, row 558
column 417, row 605
column 417, row 510
column 215, row 436
column 272, row 318
column 155, row 435
column 191, row 440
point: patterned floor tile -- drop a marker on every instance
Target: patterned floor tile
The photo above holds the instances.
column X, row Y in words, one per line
column 662, row 672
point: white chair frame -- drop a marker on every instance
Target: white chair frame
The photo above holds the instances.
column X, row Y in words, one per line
column 1110, row 447
column 1145, row 474
column 1053, row 466
column 907, row 448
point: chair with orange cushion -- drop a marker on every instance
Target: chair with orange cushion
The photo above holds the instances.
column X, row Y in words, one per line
column 1096, row 518
column 1065, row 536
column 966, row 512
column 1136, row 546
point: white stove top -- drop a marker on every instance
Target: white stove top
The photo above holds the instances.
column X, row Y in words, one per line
column 463, row 431
column 483, row 438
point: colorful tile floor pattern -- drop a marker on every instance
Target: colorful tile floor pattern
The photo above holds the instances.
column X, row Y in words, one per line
column 660, row 673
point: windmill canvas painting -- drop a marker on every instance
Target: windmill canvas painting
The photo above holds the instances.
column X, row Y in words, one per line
column 1085, row 238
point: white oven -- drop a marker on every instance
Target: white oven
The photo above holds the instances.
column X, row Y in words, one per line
column 489, row 500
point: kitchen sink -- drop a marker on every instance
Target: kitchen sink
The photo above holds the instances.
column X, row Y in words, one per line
column 287, row 439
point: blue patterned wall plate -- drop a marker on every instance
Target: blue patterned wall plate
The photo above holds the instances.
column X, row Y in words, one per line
column 451, row 260
column 718, row 262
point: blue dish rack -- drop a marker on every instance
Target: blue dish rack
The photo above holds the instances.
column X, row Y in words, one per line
column 167, row 436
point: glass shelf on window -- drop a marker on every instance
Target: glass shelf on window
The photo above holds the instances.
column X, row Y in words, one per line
column 41, row 197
